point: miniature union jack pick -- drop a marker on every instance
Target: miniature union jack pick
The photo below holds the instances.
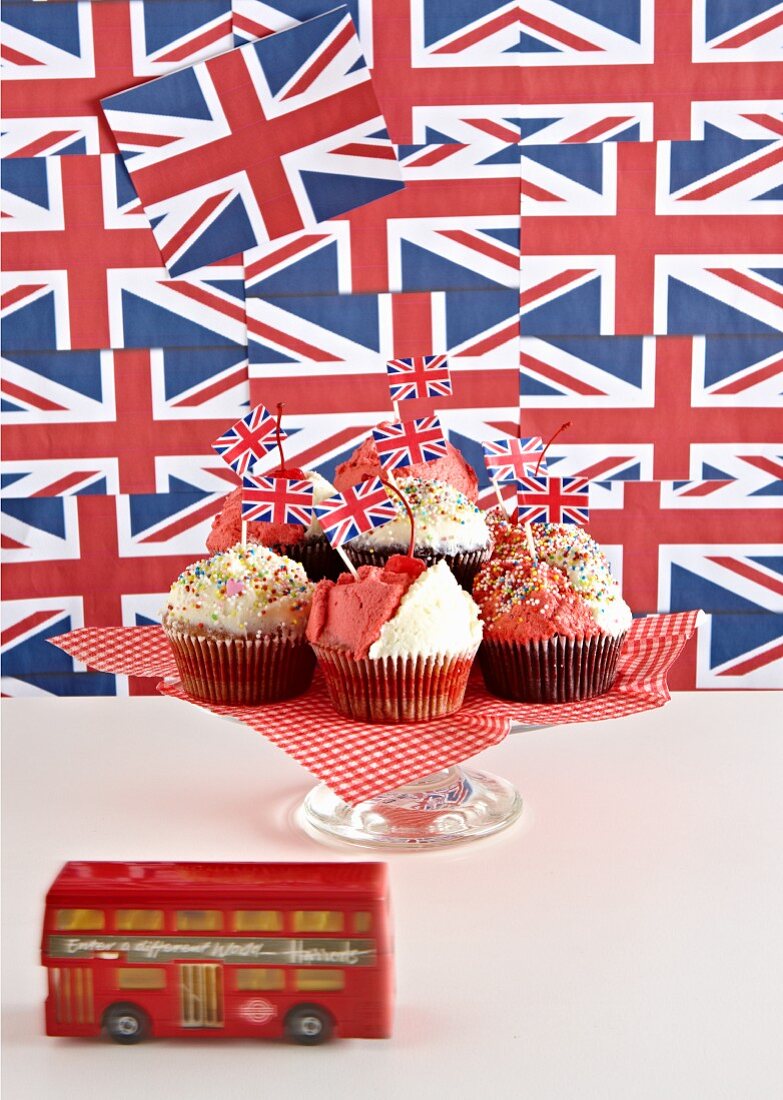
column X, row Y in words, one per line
column 248, row 440
column 277, row 500
column 357, row 509
column 553, row 500
column 420, row 376
column 403, row 442
column 513, row 459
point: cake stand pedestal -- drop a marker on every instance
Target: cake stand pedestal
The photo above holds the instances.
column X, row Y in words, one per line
column 451, row 806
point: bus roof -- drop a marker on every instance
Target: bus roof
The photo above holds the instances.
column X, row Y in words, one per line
column 107, row 882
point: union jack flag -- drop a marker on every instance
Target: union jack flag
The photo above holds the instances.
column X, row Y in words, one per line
column 642, row 201
column 689, row 562
column 118, row 422
column 248, row 440
column 419, row 376
column 553, row 500
column 455, row 225
column 59, row 62
column 656, row 407
column 513, row 459
column 304, row 93
column 642, row 68
column 59, row 211
column 404, row 442
column 277, row 500
column 357, row 509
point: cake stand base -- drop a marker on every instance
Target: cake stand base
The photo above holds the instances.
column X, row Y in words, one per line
column 451, row 807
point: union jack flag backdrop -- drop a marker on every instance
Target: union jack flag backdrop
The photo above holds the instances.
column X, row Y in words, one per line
column 577, row 202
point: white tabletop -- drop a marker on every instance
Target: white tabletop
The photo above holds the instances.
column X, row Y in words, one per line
column 623, row 940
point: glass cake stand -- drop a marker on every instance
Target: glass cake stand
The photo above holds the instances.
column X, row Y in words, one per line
column 452, row 806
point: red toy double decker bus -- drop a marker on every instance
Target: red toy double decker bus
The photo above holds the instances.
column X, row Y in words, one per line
column 300, row 950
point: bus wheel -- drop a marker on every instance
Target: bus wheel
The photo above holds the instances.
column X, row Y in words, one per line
column 126, row 1023
column 308, row 1025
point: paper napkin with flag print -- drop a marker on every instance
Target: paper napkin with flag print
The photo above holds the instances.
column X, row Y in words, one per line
column 256, row 143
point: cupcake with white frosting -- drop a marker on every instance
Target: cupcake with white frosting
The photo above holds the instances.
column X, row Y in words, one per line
column 236, row 625
column 395, row 643
column 448, row 527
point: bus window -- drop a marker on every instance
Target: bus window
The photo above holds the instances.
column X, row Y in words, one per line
column 139, row 920
column 254, row 977
column 362, row 922
column 258, row 920
column 72, row 920
column 324, row 920
column 199, row 920
column 141, row 977
column 311, row 981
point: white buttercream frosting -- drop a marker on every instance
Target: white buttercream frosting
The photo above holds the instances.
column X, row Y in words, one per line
column 445, row 520
column 435, row 616
column 321, row 490
column 241, row 591
column 569, row 547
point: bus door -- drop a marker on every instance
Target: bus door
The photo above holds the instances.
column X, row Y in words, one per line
column 201, row 994
column 71, row 989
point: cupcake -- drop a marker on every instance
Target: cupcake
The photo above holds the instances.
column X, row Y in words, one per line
column 236, row 624
column 554, row 625
column 397, row 642
column 448, row 527
column 452, row 469
column 303, row 544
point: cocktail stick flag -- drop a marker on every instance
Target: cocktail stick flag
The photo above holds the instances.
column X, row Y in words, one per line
column 513, row 459
column 403, row 442
column 418, row 377
column 277, row 500
column 359, row 508
column 553, row 500
column 248, row 440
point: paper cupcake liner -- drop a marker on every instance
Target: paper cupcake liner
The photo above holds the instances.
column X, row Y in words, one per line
column 388, row 689
column 464, row 565
column 242, row 671
column 554, row 670
column 316, row 555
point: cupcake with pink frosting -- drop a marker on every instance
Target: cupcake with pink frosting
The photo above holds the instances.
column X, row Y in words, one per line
column 396, row 642
column 554, row 618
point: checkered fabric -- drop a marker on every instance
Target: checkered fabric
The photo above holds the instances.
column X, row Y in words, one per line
column 359, row 760
column 126, row 650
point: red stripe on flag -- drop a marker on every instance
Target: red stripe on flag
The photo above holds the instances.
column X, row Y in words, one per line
column 704, row 488
column 559, row 376
column 766, row 465
column 17, row 58
column 30, row 398
column 43, row 143
column 271, row 259
column 744, row 282
column 434, row 155
column 61, row 487
column 494, row 129
column 750, row 573
column 11, row 633
column 218, row 387
column 411, row 325
column 19, row 292
column 751, row 379
column 775, row 156
column 341, row 39
column 362, row 149
column 761, row 659
column 494, row 252
column 597, row 129
column 194, row 221
column 506, row 19
column 193, row 45
column 756, row 31
column 769, row 122
column 565, row 38
column 561, row 279
column 128, row 137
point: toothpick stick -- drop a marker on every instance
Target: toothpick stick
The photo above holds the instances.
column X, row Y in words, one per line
column 499, row 495
column 396, row 407
column 348, row 562
column 244, row 533
column 530, row 544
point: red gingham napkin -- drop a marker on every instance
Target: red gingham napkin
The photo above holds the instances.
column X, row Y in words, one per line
column 358, row 760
